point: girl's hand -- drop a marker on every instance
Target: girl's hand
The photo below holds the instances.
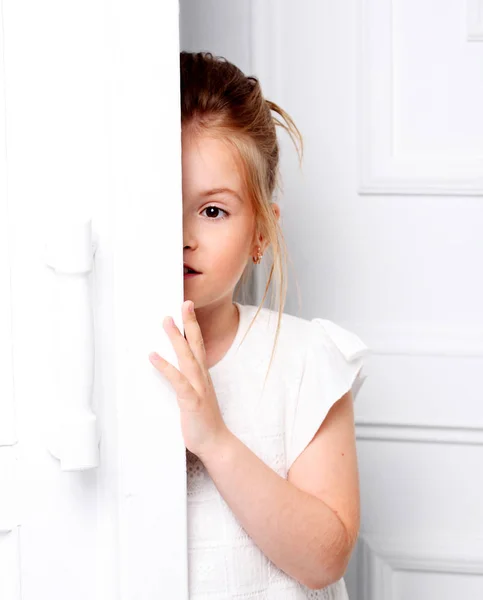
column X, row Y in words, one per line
column 201, row 421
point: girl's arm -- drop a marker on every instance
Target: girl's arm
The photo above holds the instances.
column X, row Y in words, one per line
column 295, row 521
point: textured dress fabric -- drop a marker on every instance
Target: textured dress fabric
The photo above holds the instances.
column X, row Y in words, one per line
column 315, row 363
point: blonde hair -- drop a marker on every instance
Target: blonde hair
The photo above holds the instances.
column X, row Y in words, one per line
column 217, row 97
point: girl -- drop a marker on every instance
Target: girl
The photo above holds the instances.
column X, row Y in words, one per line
column 273, row 489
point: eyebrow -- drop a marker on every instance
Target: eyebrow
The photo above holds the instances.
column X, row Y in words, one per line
column 221, row 191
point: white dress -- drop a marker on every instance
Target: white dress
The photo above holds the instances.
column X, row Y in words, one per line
column 315, row 363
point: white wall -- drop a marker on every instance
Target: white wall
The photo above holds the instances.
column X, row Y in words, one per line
column 384, row 230
column 217, row 27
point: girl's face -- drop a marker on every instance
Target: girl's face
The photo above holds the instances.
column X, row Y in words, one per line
column 218, row 221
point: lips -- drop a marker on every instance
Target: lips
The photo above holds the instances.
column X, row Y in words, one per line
column 188, row 269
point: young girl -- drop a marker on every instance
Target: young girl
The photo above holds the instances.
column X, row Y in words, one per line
column 265, row 400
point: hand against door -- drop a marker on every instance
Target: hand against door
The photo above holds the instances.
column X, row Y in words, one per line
column 202, row 424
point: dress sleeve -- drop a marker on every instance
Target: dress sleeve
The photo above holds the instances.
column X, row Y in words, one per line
column 333, row 365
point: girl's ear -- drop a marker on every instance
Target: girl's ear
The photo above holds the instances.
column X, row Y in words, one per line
column 276, row 210
column 260, row 243
column 260, row 240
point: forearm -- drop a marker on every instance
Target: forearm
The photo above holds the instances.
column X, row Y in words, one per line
column 298, row 532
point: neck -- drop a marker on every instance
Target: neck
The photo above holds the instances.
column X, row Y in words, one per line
column 218, row 323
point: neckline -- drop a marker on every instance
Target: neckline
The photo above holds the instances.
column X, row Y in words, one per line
column 234, row 345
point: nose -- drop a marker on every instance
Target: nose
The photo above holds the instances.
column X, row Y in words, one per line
column 190, row 232
column 188, row 235
column 188, row 240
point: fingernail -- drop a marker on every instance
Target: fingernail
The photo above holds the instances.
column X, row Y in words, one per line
column 191, row 306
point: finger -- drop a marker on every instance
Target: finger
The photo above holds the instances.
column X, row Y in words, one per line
column 193, row 334
column 186, row 394
column 187, row 362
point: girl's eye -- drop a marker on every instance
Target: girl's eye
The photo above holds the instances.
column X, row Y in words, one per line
column 215, row 208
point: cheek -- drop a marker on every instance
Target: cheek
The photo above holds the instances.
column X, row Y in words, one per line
column 233, row 239
column 231, row 261
column 229, row 246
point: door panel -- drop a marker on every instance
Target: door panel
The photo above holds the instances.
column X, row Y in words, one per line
column 89, row 96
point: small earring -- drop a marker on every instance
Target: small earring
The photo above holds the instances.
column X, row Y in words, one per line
column 259, row 257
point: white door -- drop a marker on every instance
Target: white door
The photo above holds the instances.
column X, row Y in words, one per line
column 384, row 229
column 90, row 207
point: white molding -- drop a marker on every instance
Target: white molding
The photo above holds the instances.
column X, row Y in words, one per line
column 380, row 170
column 464, row 434
column 422, row 339
column 379, row 558
column 474, row 17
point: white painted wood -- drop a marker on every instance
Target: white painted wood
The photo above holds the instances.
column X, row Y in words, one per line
column 146, row 210
column 387, row 164
column 383, row 561
column 10, row 584
column 9, row 488
column 75, row 433
column 90, row 102
column 10, row 517
column 424, row 339
column 8, row 434
column 407, row 432
column 474, row 15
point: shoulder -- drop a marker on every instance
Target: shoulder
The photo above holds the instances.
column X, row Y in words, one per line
column 267, row 321
column 293, row 333
column 317, row 348
column 298, row 335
